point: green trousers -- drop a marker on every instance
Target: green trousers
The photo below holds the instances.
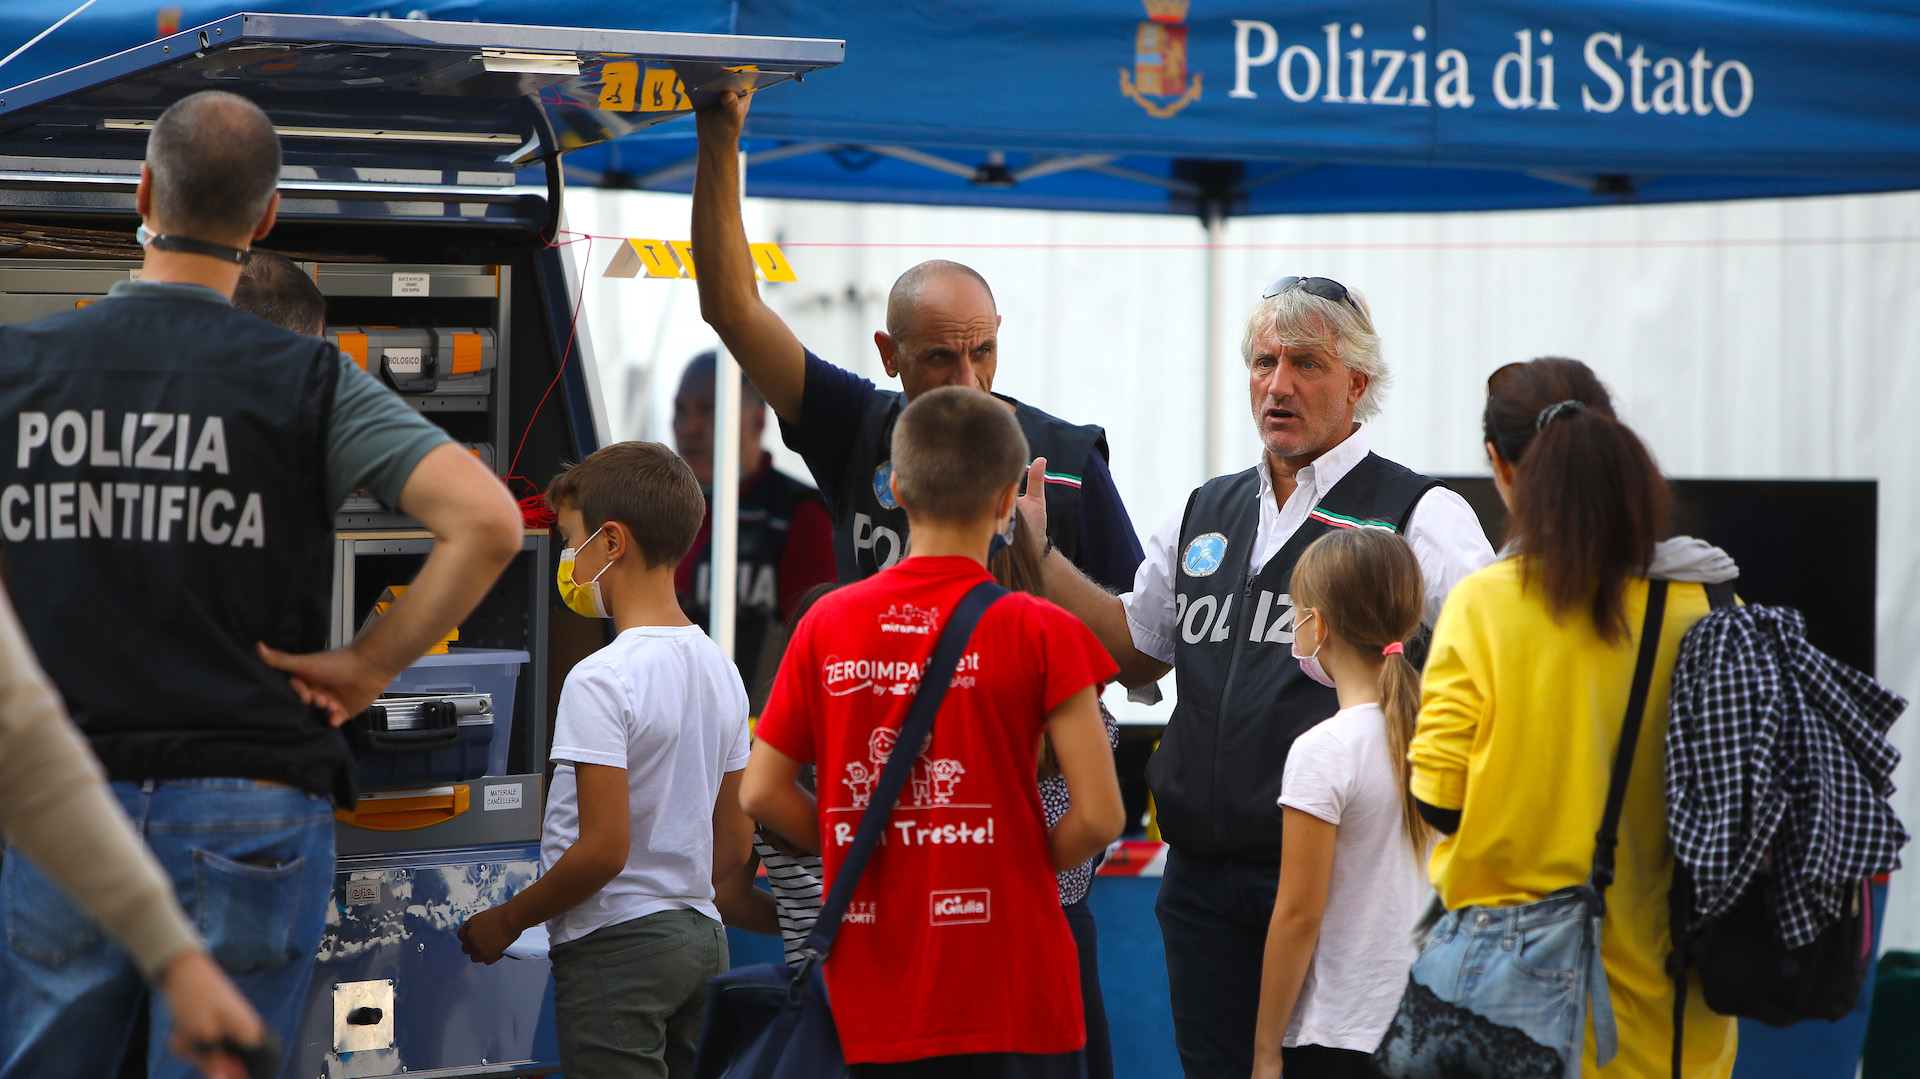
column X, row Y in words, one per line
column 628, row 997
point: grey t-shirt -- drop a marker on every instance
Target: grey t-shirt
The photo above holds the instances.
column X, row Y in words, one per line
column 374, row 439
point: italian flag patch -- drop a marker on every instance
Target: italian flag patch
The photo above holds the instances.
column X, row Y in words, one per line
column 1341, row 520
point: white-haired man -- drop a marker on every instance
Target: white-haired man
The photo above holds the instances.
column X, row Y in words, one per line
column 1211, row 603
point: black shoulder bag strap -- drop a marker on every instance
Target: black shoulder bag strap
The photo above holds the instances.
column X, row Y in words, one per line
column 1600, row 996
column 893, row 778
column 1680, row 896
column 1608, row 837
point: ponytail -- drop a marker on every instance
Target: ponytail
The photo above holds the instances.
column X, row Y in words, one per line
column 1400, row 702
column 1366, row 584
column 1588, row 502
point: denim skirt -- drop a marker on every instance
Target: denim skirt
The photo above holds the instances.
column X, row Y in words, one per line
column 1503, row 992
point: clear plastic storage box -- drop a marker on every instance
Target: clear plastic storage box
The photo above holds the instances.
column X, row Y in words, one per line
column 472, row 670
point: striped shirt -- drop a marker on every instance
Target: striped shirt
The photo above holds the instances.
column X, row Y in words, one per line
column 795, row 883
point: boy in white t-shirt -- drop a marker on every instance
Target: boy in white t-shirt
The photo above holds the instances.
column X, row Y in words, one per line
column 1353, row 851
column 644, row 816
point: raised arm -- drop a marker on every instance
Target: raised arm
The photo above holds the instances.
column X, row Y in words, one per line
column 1105, row 615
column 766, row 349
column 1100, row 609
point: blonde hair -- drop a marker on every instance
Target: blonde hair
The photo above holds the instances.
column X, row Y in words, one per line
column 1366, row 586
column 1341, row 328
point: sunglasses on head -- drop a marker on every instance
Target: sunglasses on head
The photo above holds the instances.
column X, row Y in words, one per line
column 1324, row 287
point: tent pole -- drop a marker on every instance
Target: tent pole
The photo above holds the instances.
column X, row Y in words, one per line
column 723, row 584
column 1214, row 382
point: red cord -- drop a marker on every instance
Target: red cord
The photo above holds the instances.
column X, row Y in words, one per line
column 535, row 512
column 534, row 509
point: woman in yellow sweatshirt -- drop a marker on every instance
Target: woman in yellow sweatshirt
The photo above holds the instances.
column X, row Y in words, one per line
column 1526, row 686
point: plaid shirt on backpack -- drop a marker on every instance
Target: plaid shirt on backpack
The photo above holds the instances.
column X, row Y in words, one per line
column 1775, row 748
column 1778, row 775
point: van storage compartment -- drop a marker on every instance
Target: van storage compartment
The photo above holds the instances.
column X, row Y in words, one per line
column 492, row 671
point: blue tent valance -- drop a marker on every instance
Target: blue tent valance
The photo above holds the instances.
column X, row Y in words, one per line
column 1256, row 106
column 1253, row 106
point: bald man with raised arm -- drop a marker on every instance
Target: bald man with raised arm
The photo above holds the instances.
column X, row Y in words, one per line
column 942, row 330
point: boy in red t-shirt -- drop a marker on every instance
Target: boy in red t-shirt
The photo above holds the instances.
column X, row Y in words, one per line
column 954, row 958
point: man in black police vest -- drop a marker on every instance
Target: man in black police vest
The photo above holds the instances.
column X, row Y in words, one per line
column 942, row 330
column 785, row 537
column 166, row 502
column 1211, row 602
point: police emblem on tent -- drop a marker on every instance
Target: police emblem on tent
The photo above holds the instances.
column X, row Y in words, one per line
column 1204, row 555
column 1158, row 82
column 883, row 485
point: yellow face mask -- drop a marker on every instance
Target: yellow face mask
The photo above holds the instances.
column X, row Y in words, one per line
column 582, row 599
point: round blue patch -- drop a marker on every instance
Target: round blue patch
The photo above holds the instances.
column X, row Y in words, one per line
column 883, row 486
column 1204, row 555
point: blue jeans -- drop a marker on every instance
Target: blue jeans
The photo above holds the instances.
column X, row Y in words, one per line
column 253, row 867
column 1503, row 992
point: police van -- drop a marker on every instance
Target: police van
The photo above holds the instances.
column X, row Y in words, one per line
column 422, row 191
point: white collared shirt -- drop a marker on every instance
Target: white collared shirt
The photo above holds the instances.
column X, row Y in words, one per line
column 1446, row 537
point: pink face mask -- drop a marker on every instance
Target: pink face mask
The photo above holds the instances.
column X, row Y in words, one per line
column 1310, row 664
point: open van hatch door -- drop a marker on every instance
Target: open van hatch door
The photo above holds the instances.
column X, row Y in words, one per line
column 374, row 108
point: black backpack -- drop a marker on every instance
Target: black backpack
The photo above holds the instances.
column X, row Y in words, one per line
column 1746, row 970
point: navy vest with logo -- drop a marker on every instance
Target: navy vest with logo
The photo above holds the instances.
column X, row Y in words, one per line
column 870, row 528
column 1242, row 697
column 163, row 507
column 767, row 507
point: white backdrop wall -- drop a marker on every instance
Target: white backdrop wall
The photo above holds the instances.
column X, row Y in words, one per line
column 1766, row 339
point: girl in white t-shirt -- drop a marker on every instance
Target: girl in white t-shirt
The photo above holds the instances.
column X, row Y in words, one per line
column 1353, row 848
